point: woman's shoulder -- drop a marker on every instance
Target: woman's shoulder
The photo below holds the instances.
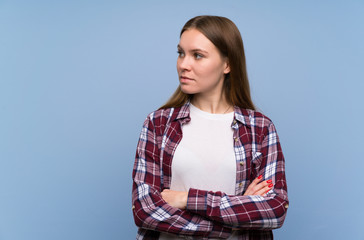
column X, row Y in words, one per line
column 254, row 117
column 165, row 115
column 161, row 112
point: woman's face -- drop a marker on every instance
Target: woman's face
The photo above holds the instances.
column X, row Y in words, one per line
column 200, row 66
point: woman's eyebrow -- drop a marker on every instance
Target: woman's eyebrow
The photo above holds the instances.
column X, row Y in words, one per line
column 193, row 50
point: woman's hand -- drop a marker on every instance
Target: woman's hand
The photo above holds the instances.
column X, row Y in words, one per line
column 176, row 199
column 259, row 187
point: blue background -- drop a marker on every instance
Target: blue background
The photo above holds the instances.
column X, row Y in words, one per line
column 78, row 78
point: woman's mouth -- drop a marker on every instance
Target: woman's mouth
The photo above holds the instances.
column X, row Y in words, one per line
column 185, row 79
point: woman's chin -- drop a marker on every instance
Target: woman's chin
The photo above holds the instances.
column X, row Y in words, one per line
column 188, row 90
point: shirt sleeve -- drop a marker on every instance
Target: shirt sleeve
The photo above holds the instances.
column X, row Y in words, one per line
column 149, row 209
column 249, row 212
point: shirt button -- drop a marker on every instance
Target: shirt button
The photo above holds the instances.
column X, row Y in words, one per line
column 286, row 205
column 133, row 207
column 234, row 122
column 242, row 163
column 240, row 184
column 236, row 139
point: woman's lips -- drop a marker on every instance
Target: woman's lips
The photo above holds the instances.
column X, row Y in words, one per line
column 185, row 79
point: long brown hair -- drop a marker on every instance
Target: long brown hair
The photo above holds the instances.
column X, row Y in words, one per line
column 224, row 34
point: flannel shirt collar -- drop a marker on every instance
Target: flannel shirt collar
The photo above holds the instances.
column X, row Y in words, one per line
column 241, row 115
column 244, row 116
column 183, row 112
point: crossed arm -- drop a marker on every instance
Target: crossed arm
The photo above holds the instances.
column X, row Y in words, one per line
column 178, row 199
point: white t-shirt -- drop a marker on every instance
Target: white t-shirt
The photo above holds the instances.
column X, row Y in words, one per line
column 205, row 157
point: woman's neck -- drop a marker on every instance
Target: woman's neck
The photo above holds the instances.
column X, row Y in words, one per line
column 216, row 105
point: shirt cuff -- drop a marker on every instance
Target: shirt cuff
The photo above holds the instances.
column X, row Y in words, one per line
column 196, row 200
column 197, row 203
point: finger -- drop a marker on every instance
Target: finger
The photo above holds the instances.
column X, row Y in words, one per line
column 263, row 191
column 256, row 190
column 257, row 179
column 260, row 186
column 253, row 184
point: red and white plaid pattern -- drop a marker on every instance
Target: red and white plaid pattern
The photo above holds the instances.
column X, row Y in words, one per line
column 209, row 214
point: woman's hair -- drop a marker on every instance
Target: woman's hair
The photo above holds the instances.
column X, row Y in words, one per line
column 224, row 34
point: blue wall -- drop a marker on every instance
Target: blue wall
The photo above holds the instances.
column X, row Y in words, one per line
column 77, row 79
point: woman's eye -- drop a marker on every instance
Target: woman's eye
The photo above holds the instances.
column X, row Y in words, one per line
column 198, row 56
column 180, row 53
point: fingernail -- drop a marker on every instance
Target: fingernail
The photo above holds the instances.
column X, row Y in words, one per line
column 269, row 181
column 267, row 191
column 260, row 177
column 270, row 185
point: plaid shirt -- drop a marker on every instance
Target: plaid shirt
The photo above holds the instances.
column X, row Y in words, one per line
column 209, row 214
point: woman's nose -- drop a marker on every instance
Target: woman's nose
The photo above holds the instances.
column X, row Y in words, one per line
column 184, row 63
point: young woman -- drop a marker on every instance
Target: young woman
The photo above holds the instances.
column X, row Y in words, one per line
column 208, row 166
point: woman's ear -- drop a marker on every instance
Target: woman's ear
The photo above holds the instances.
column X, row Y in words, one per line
column 227, row 67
